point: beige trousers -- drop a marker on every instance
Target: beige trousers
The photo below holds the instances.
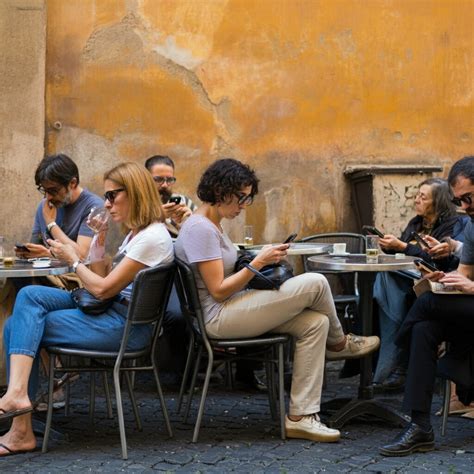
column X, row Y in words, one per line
column 302, row 307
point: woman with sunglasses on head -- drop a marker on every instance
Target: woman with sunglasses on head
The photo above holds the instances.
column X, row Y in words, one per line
column 435, row 220
column 48, row 316
column 302, row 307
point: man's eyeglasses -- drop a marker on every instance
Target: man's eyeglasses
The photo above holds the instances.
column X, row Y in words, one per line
column 467, row 198
column 112, row 194
column 50, row 191
column 164, row 179
column 244, row 199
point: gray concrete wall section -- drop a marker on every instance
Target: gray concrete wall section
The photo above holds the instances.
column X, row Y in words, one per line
column 22, row 90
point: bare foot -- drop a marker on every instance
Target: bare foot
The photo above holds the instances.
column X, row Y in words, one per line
column 10, row 402
column 17, row 440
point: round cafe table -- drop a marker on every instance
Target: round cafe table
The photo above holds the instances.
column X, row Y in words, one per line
column 296, row 248
column 364, row 404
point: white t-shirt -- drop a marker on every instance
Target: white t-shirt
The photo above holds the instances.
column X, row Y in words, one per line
column 151, row 246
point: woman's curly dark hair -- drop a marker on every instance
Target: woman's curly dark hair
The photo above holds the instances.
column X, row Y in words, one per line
column 224, row 178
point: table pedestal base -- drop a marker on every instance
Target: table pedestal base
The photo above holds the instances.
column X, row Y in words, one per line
column 357, row 407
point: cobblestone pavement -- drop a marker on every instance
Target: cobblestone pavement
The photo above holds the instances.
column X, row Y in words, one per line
column 237, row 435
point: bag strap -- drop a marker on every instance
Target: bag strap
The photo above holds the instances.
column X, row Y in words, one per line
column 261, row 275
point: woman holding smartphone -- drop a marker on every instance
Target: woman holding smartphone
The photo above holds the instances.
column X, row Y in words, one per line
column 44, row 316
column 302, row 307
column 435, row 218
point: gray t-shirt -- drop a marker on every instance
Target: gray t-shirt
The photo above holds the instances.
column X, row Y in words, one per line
column 72, row 218
column 200, row 240
column 467, row 256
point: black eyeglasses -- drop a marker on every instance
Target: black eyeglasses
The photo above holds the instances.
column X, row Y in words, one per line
column 112, row 194
column 467, row 198
column 244, row 199
column 162, row 179
column 50, row 191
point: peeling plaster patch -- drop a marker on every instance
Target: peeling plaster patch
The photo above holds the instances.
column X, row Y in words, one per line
column 346, row 43
column 465, row 137
column 118, row 43
column 184, row 151
column 181, row 56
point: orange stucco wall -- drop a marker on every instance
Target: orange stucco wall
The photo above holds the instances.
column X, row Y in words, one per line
column 298, row 88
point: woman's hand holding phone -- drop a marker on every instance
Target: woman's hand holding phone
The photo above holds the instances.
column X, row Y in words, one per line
column 390, row 242
column 270, row 254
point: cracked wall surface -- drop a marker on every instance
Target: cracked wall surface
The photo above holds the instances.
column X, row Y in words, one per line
column 298, row 89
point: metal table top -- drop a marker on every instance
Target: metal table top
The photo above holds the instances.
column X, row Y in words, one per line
column 299, row 248
column 25, row 269
column 358, row 263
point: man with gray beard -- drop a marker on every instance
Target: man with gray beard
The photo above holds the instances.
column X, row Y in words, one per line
column 62, row 214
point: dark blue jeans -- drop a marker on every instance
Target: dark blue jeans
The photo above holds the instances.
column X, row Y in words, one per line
column 44, row 316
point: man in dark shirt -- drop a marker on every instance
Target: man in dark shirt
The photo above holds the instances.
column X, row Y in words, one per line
column 62, row 214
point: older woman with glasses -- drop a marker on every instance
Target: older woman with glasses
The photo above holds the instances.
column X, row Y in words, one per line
column 45, row 316
column 303, row 306
column 435, row 220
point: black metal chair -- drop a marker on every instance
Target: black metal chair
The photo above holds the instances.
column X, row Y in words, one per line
column 265, row 345
column 457, row 366
column 343, row 284
column 151, row 290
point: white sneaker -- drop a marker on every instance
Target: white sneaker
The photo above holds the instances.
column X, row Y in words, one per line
column 309, row 427
column 356, row 347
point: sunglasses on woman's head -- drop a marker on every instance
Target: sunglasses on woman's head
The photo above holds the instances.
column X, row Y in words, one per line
column 112, row 194
column 467, row 198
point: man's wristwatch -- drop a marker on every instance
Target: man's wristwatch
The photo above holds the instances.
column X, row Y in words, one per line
column 75, row 265
column 50, row 226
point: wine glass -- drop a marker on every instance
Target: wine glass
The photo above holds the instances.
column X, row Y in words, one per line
column 97, row 219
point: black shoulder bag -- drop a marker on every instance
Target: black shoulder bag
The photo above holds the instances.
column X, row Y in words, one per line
column 270, row 277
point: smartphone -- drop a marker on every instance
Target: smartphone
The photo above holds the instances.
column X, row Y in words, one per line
column 370, row 229
column 429, row 267
column 21, row 247
column 175, row 199
column 420, row 240
column 290, row 238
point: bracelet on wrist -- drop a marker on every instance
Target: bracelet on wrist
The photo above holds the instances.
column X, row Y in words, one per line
column 75, row 265
column 50, row 226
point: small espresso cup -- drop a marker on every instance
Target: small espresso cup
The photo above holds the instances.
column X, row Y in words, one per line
column 339, row 248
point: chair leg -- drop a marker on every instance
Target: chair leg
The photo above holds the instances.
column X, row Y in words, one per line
column 49, row 415
column 136, row 413
column 92, row 397
column 68, row 392
column 271, row 387
column 108, row 400
column 162, row 398
column 446, row 401
column 203, row 396
column 281, row 389
column 187, row 368
column 118, row 396
column 193, row 384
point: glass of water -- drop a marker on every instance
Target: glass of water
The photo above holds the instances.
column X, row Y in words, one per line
column 97, row 219
column 248, row 234
column 372, row 249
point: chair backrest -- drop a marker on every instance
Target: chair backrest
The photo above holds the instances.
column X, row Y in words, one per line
column 150, row 293
column 189, row 299
column 341, row 283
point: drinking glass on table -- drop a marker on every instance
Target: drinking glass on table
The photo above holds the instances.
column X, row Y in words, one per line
column 372, row 249
column 248, row 234
column 97, row 219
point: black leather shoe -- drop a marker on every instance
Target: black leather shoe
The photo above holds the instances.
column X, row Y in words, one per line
column 412, row 440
